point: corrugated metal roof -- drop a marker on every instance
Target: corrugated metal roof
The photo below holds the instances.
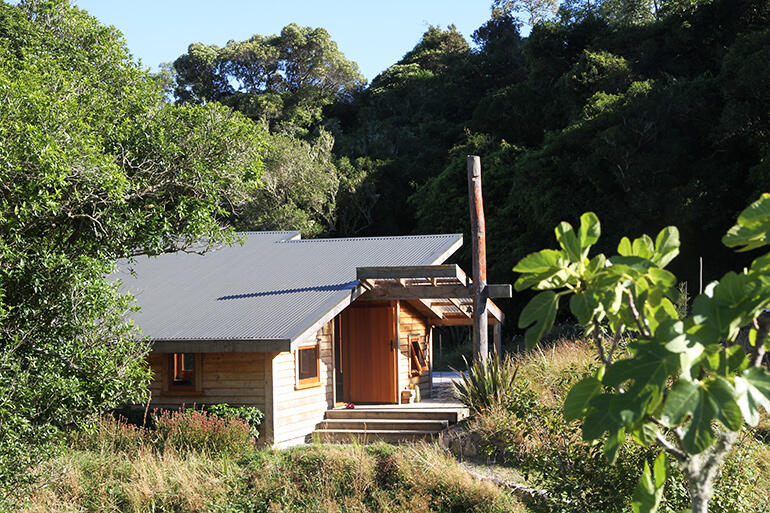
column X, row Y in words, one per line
column 274, row 287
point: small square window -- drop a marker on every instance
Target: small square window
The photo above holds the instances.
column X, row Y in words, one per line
column 182, row 371
column 307, row 366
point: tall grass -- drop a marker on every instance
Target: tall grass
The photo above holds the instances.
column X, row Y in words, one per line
column 315, row 478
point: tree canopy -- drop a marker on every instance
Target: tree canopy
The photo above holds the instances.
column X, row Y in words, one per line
column 283, row 79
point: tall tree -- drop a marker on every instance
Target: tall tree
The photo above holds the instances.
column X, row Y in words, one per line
column 283, row 79
column 94, row 166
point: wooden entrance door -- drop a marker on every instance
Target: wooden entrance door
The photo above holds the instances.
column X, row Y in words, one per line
column 369, row 357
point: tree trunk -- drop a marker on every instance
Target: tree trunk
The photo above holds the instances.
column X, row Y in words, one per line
column 701, row 470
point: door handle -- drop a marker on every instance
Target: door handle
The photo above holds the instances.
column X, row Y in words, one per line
column 391, row 345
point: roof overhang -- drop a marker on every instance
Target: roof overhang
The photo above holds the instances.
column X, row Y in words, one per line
column 221, row 346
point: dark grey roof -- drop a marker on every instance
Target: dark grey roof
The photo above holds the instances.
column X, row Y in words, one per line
column 275, row 287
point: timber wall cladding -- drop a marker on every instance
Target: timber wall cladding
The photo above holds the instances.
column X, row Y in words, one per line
column 296, row 412
column 412, row 323
column 232, row 378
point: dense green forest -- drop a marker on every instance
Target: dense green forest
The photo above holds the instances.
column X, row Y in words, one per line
column 647, row 114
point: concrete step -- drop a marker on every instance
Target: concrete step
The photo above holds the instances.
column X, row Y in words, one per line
column 367, row 424
column 451, row 415
column 366, row 436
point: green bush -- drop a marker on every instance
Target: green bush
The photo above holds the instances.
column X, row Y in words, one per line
column 251, row 415
column 486, row 382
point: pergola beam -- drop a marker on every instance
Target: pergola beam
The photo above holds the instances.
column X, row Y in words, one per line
column 459, row 321
column 393, row 292
column 408, row 272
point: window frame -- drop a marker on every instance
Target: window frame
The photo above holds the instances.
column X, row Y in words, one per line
column 172, row 385
column 418, row 361
column 314, row 381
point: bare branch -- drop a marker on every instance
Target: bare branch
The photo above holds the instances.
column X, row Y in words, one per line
column 670, row 448
column 599, row 345
column 762, row 325
column 639, row 318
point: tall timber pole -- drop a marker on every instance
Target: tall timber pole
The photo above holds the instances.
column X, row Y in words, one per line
column 479, row 240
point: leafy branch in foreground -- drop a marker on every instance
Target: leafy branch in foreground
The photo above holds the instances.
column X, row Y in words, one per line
column 685, row 384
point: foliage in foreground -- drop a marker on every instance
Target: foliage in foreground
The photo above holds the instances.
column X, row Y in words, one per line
column 527, row 431
column 317, row 478
column 94, row 166
column 685, row 385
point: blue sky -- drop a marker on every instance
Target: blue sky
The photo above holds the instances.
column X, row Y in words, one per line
column 374, row 34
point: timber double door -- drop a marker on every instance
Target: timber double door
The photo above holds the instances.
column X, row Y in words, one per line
column 369, row 354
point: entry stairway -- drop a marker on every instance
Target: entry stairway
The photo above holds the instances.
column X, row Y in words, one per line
column 394, row 424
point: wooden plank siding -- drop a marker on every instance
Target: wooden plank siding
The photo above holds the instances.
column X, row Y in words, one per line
column 296, row 412
column 411, row 322
column 232, row 378
column 267, row 381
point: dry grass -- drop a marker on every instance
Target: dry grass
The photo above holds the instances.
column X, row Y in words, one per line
column 317, row 478
column 550, row 371
column 148, row 481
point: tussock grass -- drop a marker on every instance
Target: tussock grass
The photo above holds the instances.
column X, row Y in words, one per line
column 314, row 478
column 551, row 371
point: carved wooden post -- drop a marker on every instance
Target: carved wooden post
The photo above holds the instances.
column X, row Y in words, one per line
column 479, row 241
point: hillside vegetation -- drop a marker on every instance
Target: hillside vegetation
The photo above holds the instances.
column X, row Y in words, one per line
column 315, row 478
column 646, row 115
column 526, row 430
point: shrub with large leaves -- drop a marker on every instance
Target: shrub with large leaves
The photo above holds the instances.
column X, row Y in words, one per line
column 687, row 386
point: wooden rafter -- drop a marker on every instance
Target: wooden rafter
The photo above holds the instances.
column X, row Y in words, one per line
column 462, row 308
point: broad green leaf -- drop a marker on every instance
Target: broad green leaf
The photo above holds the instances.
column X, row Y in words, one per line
column 666, row 246
column 589, row 231
column 645, row 434
column 540, row 262
column 681, row 401
column 554, row 279
column 600, row 419
column 753, row 337
column 752, row 389
column 582, row 306
column 538, row 316
column 596, row 264
column 649, row 490
column 643, row 247
column 732, row 360
column 624, row 247
column 648, row 373
column 727, row 410
column 704, row 403
column 660, row 313
column 577, row 402
column 753, row 227
column 569, row 242
column 661, row 277
column 614, row 442
column 756, row 214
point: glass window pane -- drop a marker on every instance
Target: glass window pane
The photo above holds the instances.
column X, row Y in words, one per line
column 182, row 369
column 308, row 363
